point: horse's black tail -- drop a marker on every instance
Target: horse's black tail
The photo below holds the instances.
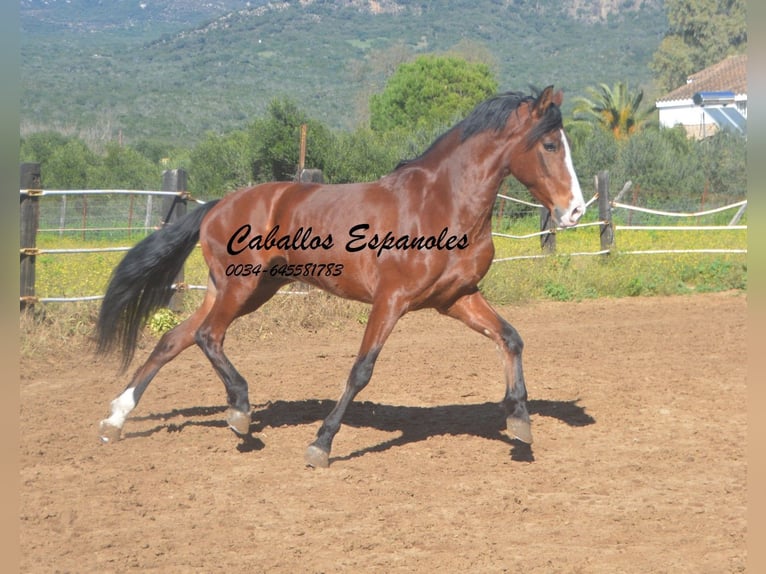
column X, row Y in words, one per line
column 142, row 282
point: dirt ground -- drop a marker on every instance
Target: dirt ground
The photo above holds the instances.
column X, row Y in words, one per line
column 638, row 408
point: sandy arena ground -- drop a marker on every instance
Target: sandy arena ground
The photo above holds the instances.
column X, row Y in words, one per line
column 638, row 466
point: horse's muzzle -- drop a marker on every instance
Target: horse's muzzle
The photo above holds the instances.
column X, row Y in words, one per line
column 570, row 216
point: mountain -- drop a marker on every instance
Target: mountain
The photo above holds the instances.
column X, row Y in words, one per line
column 125, row 14
column 114, row 15
column 171, row 70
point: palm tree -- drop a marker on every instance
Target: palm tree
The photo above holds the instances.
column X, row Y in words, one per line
column 615, row 109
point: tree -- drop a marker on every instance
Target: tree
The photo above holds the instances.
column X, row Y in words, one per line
column 366, row 155
column 700, row 33
column 429, row 91
column 68, row 163
column 275, row 141
column 154, row 151
column 40, row 146
column 70, row 166
column 370, row 75
column 616, row 109
column 125, row 168
column 221, row 163
column 359, row 156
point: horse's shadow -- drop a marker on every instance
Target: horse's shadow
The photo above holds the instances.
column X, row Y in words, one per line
column 414, row 424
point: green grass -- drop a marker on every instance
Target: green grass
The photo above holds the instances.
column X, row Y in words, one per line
column 560, row 277
column 87, row 274
column 563, row 277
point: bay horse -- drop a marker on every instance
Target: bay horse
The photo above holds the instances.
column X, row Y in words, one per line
column 419, row 237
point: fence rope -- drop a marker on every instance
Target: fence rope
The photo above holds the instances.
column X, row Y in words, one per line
column 528, row 236
column 40, row 251
column 68, row 299
column 80, row 229
column 676, row 251
column 616, row 204
column 43, row 192
column 609, row 252
column 679, row 227
column 517, row 200
column 544, row 255
column 676, row 213
column 591, row 200
column 100, row 297
column 546, row 231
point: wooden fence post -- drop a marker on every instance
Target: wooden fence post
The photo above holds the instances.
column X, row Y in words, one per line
column 311, row 176
column 738, row 215
column 30, row 221
column 547, row 241
column 605, row 211
column 302, row 152
column 174, row 209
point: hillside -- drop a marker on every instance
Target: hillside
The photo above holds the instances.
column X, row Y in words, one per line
column 171, row 70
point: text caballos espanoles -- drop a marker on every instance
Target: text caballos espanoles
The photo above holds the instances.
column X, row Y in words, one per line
column 359, row 239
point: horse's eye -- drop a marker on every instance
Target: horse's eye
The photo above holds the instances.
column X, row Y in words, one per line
column 550, row 146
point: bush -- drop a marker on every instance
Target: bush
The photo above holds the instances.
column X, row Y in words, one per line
column 661, row 166
column 162, row 321
column 668, row 169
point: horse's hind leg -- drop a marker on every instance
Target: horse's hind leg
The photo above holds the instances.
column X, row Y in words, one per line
column 167, row 348
column 210, row 337
column 474, row 311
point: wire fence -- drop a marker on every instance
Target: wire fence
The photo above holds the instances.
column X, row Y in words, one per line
column 105, row 217
column 636, row 218
column 103, row 213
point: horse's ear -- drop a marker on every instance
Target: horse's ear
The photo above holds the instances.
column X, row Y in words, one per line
column 544, row 101
column 558, row 97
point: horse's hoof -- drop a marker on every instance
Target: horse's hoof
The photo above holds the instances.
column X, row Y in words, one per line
column 519, row 429
column 316, row 457
column 107, row 432
column 238, row 421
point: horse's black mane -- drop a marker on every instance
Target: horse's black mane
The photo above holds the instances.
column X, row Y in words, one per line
column 492, row 114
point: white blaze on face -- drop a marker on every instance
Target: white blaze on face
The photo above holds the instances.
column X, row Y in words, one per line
column 577, row 206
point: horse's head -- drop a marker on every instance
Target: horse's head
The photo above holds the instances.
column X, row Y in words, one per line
column 543, row 161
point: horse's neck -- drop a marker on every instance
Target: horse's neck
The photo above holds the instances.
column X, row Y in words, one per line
column 469, row 172
column 476, row 174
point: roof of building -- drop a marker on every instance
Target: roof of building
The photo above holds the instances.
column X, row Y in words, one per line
column 728, row 75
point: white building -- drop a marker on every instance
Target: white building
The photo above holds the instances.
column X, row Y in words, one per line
column 727, row 78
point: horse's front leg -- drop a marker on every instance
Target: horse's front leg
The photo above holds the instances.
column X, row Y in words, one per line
column 474, row 311
column 383, row 316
